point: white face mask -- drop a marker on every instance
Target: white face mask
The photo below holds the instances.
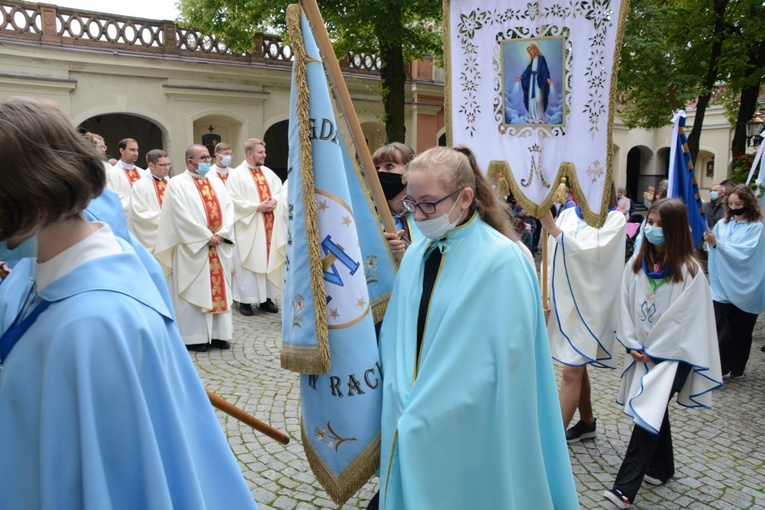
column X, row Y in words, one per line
column 225, row 160
column 437, row 228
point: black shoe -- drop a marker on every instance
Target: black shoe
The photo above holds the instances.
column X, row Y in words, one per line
column 616, row 497
column 220, row 344
column 245, row 309
column 737, row 374
column 268, row 306
column 762, row 348
column 198, row 347
column 581, row 431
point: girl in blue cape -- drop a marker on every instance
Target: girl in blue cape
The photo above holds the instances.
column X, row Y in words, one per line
column 666, row 324
column 470, row 410
column 100, row 405
column 737, row 277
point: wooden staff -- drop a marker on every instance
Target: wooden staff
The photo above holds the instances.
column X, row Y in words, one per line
column 348, row 111
column 543, row 240
column 232, row 410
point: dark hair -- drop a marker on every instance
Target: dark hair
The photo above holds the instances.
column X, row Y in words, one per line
column 678, row 247
column 727, row 182
column 154, row 155
column 396, row 152
column 124, row 143
column 457, row 169
column 746, row 194
column 49, row 171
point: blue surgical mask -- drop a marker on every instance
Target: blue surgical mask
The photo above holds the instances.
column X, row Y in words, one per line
column 28, row 248
column 713, row 195
column 203, row 169
column 655, row 235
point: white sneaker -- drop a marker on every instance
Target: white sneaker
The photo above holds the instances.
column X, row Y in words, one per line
column 651, row 480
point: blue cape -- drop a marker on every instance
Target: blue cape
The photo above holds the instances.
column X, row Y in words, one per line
column 475, row 422
column 100, row 405
column 737, row 266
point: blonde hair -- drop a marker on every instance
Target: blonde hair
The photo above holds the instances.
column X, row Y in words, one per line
column 457, row 169
column 223, row 146
column 250, row 144
column 49, row 171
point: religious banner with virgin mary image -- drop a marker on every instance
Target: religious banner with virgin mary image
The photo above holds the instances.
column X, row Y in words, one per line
column 531, row 88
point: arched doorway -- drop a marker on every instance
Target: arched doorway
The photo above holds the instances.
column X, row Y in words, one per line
column 277, row 148
column 114, row 127
column 213, row 129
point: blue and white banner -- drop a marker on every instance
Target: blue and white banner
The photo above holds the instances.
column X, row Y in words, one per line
column 339, row 269
column 682, row 178
column 531, row 90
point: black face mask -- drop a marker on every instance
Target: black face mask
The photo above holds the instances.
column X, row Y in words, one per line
column 738, row 212
column 391, row 184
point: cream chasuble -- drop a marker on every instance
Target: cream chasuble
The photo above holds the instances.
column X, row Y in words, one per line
column 199, row 276
column 121, row 179
column 145, row 205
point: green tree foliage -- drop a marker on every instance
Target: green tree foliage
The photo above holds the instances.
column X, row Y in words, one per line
column 699, row 45
column 398, row 31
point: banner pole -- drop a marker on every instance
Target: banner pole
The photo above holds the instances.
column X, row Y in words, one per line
column 348, row 111
column 543, row 238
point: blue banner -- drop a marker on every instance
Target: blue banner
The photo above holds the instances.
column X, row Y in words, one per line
column 338, row 271
column 683, row 182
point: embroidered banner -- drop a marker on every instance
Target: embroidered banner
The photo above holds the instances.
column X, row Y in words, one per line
column 338, row 275
column 530, row 91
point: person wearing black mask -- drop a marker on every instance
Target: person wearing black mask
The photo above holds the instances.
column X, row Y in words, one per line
column 390, row 162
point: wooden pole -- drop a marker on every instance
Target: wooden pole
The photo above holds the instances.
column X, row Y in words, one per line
column 347, row 110
column 248, row 419
column 543, row 239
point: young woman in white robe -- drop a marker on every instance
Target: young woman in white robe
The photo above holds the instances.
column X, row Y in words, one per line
column 666, row 323
column 584, row 305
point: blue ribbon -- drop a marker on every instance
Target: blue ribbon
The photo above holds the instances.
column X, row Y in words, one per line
column 18, row 328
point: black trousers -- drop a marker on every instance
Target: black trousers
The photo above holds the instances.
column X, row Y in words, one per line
column 734, row 334
column 647, row 454
column 650, row 454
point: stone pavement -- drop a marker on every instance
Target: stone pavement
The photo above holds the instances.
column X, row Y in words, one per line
column 719, row 453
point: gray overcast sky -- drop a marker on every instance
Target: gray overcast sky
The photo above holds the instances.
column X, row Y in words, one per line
column 152, row 9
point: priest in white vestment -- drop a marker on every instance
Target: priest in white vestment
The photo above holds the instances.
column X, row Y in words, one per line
column 194, row 245
column 222, row 167
column 146, row 199
column 124, row 174
column 255, row 191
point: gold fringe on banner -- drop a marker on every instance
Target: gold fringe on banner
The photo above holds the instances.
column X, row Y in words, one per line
column 358, row 472
column 307, row 360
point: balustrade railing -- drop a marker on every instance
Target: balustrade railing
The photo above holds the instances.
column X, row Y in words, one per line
column 51, row 25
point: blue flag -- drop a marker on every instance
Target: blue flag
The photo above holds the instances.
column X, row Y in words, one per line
column 682, row 179
column 338, row 276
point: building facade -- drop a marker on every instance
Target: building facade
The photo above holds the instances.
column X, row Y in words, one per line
column 168, row 87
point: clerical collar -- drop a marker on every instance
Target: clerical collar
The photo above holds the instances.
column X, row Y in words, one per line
column 252, row 167
column 126, row 166
column 158, row 178
column 581, row 216
column 195, row 175
column 220, row 170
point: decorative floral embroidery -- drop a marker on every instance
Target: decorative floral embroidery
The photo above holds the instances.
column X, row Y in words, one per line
column 329, row 436
column 370, row 269
column 297, row 310
column 595, row 171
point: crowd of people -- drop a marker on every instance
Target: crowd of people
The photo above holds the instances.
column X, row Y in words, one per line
column 118, row 267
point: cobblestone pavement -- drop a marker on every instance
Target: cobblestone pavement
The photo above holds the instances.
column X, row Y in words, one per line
column 719, row 453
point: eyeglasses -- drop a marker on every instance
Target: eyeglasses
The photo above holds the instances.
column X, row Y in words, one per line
column 164, row 165
column 428, row 206
column 202, row 158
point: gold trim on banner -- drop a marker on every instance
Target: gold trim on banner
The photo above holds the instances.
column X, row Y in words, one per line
column 358, row 472
column 320, row 363
column 566, row 169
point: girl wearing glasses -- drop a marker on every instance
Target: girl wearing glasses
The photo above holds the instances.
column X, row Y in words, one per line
column 470, row 414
